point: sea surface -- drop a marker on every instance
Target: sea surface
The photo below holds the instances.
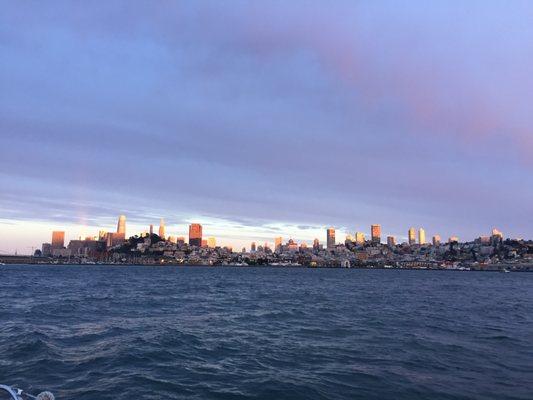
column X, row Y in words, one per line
column 117, row 332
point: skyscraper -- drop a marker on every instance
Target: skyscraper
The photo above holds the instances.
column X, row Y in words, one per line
column 421, row 236
column 436, row 240
column 411, row 235
column 277, row 243
column 162, row 228
column 359, row 238
column 211, row 242
column 316, row 244
column 330, row 238
column 58, row 239
column 151, row 229
column 121, row 226
column 375, row 233
column 195, row 235
column 391, row 241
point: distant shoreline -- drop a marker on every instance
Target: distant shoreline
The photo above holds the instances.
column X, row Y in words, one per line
column 501, row 267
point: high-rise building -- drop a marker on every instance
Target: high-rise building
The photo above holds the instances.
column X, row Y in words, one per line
column 436, row 240
column 204, row 242
column 211, row 242
column 252, row 247
column 58, row 239
column 292, row 245
column 375, row 233
column 46, row 250
column 391, row 241
column 453, row 239
column 421, row 236
column 151, row 229
column 162, row 228
column 278, row 242
column 359, row 238
column 102, row 235
column 496, row 237
column 316, row 244
column 411, row 235
column 195, row 235
column 330, row 238
column 121, row 226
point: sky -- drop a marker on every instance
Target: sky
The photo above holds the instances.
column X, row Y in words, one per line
column 265, row 118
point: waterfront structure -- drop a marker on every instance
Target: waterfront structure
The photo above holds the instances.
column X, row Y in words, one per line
column 391, row 241
column 359, row 238
column 121, row 226
column 58, row 239
column 162, row 228
column 421, row 236
column 195, row 235
column 411, row 236
column 211, row 242
column 330, row 238
column 436, row 240
column 375, row 231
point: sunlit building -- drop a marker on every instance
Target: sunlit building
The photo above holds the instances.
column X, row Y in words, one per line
column 211, row 242
column 359, row 238
column 453, row 239
column 162, row 228
column 436, row 240
column 375, row 231
column 411, row 236
column 121, row 226
column 195, row 235
column 421, row 236
column 58, row 239
column 278, row 243
column 330, row 238
column 292, row 245
column 252, row 247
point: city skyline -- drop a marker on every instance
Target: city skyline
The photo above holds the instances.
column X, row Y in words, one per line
column 197, row 238
column 264, row 120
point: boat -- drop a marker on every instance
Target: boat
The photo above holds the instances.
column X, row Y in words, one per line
column 19, row 394
column 505, row 270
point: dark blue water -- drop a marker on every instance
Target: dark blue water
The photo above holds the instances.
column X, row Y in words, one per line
column 100, row 333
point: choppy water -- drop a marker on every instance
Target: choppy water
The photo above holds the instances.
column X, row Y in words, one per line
column 100, row 332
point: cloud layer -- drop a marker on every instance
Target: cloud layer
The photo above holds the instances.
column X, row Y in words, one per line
column 265, row 113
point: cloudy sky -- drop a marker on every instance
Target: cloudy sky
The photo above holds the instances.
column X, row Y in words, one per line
column 265, row 118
